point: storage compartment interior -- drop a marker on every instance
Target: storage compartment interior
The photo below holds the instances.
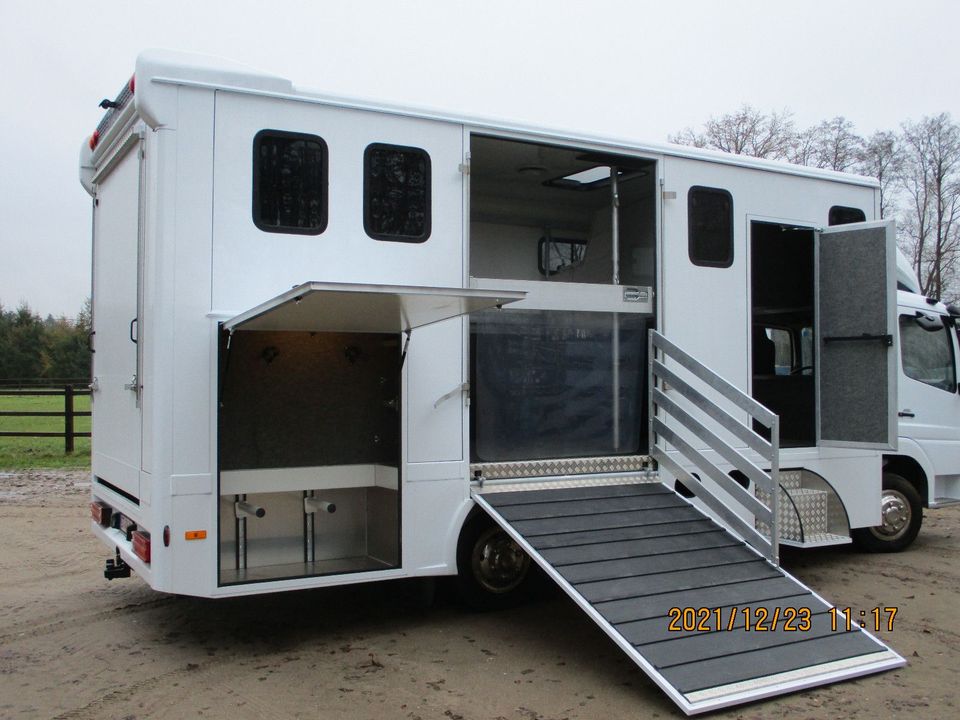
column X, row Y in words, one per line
column 309, row 451
column 544, row 212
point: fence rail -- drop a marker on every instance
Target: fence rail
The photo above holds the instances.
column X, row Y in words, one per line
column 69, row 393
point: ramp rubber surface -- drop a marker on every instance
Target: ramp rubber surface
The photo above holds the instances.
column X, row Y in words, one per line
column 711, row 621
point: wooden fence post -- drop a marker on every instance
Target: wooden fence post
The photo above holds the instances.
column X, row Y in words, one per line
column 68, row 418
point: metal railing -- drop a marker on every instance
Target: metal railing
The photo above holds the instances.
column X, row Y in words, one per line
column 69, row 392
column 666, row 386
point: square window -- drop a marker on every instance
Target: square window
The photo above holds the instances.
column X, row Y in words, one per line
column 710, row 227
column 840, row 215
column 289, row 182
column 396, row 193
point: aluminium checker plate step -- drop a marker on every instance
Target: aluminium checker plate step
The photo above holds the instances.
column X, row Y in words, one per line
column 628, row 553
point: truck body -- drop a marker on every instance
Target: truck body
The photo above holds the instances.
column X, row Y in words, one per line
column 323, row 325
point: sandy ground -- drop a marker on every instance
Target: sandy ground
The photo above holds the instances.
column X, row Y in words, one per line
column 73, row 645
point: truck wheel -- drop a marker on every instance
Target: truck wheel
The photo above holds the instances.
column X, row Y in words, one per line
column 902, row 514
column 493, row 572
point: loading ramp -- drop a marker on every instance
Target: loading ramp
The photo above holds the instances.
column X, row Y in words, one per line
column 627, row 551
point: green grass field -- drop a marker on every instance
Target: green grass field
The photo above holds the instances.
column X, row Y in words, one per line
column 18, row 453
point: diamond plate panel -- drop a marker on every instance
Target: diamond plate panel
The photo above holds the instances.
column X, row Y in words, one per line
column 566, row 466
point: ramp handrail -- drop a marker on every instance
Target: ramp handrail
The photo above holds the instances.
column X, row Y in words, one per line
column 665, row 384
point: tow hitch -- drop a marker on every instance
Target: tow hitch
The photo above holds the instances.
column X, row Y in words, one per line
column 116, row 568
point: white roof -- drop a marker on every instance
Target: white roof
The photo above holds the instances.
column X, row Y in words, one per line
column 171, row 67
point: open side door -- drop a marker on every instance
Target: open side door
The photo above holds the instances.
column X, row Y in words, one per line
column 856, row 335
column 310, row 422
column 342, row 307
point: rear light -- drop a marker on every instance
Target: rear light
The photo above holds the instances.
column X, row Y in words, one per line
column 124, row 525
column 141, row 545
column 94, row 139
column 132, row 85
column 101, row 512
column 166, row 536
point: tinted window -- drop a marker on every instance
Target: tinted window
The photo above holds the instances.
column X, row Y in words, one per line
column 840, row 215
column 396, row 193
column 543, row 384
column 926, row 351
column 289, row 182
column 710, row 227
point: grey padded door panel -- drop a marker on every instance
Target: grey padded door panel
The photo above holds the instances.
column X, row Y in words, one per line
column 856, row 335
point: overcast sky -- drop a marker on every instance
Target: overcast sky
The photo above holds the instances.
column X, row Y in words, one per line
column 630, row 69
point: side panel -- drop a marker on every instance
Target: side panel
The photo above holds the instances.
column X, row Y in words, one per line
column 706, row 310
column 250, row 266
column 857, row 338
column 116, row 411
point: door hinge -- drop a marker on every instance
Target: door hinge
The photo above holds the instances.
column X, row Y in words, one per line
column 464, row 167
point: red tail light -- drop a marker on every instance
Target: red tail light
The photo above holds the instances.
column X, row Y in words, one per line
column 132, row 85
column 101, row 512
column 141, row 545
column 94, row 139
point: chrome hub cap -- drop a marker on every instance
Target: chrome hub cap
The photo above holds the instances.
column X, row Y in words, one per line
column 895, row 515
column 499, row 564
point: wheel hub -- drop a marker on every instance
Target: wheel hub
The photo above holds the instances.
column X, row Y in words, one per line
column 499, row 564
column 895, row 514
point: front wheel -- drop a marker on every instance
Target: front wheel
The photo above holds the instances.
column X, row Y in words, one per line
column 901, row 515
column 493, row 571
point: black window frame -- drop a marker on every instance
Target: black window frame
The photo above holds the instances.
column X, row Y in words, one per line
column 428, row 195
column 324, row 184
column 692, row 245
column 845, row 215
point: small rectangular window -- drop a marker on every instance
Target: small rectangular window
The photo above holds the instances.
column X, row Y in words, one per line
column 396, row 193
column 289, row 182
column 555, row 254
column 710, row 227
column 840, row 215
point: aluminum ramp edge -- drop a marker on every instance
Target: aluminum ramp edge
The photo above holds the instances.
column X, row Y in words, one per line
column 724, row 694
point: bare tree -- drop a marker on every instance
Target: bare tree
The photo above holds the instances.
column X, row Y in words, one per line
column 930, row 179
column 834, row 145
column 882, row 157
column 746, row 131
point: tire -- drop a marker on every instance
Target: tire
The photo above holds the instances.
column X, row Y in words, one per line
column 902, row 512
column 493, row 572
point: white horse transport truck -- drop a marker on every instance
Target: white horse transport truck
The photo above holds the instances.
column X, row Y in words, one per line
column 340, row 342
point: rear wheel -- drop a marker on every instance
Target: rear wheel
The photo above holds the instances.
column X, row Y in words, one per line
column 901, row 515
column 493, row 571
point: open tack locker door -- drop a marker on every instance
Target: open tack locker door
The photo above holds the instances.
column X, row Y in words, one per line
column 310, row 426
column 856, row 318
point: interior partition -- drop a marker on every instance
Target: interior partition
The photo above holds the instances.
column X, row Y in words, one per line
column 309, row 454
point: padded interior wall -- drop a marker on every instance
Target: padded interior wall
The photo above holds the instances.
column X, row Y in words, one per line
column 514, row 202
column 854, row 375
column 293, row 399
